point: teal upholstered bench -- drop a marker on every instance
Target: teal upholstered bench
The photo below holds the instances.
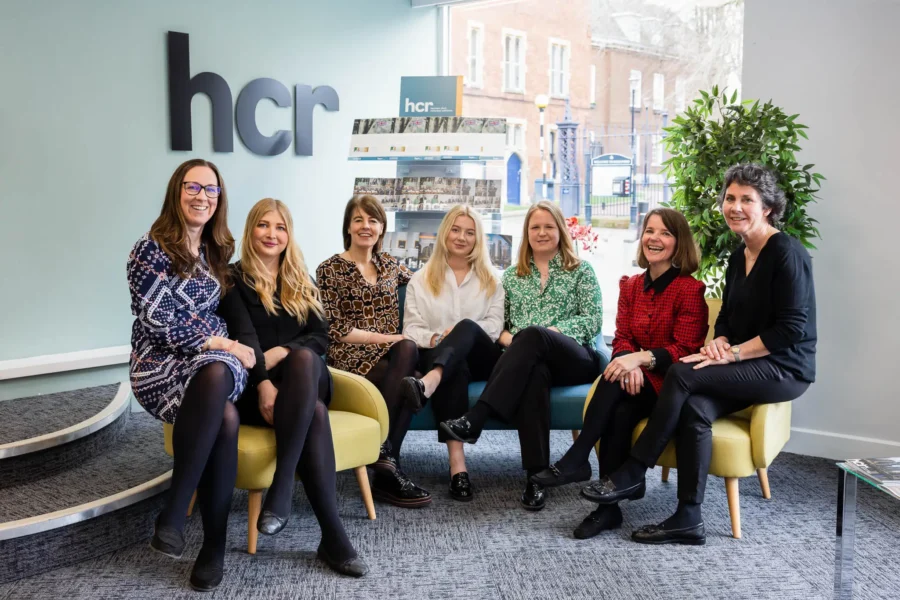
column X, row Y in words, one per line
column 566, row 403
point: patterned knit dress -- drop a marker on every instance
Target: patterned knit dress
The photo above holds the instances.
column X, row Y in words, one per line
column 174, row 317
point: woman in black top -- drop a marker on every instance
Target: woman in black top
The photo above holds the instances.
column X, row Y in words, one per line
column 763, row 352
column 274, row 308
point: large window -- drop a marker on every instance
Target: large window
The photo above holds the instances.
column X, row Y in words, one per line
column 475, row 62
column 513, row 61
column 624, row 68
column 559, row 68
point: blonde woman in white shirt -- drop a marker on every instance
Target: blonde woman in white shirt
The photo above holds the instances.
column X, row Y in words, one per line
column 454, row 313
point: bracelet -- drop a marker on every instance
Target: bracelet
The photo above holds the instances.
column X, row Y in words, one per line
column 438, row 339
column 652, row 364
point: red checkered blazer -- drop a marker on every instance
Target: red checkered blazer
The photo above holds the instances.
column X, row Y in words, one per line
column 675, row 320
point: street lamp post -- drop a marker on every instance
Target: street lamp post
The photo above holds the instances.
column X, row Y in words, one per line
column 633, row 212
column 541, row 101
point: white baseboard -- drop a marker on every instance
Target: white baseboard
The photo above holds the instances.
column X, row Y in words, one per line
column 69, row 361
column 838, row 446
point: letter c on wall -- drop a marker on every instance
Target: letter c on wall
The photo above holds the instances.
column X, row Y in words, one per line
column 249, row 97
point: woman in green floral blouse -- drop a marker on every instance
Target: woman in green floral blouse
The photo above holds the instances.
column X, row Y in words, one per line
column 553, row 313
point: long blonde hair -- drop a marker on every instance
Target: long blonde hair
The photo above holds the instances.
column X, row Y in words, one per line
column 436, row 267
column 298, row 296
column 570, row 260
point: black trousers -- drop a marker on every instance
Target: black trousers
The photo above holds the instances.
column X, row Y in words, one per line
column 518, row 389
column 467, row 354
column 690, row 400
column 618, row 415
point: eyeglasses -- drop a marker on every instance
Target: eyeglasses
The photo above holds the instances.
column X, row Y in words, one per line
column 193, row 188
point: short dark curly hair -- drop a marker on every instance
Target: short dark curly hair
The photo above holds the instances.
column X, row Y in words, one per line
column 764, row 181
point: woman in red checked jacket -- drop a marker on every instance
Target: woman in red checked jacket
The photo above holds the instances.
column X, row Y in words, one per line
column 662, row 317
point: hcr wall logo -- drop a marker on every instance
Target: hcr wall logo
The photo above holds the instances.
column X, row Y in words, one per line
column 183, row 87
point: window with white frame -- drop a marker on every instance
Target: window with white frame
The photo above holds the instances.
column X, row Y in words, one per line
column 560, row 51
column 657, row 150
column 659, row 92
column 475, row 62
column 515, row 134
column 513, row 61
column 634, row 89
column 680, row 99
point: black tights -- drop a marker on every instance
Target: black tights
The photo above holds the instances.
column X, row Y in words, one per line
column 205, row 443
column 387, row 374
column 304, row 382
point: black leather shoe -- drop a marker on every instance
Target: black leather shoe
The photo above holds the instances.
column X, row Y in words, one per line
column 460, row 430
column 167, row 540
column 597, row 521
column 208, row 571
column 398, row 489
column 552, row 476
column 655, row 534
column 461, row 487
column 269, row 523
column 354, row 567
column 534, row 497
column 605, row 492
column 386, row 462
column 413, row 392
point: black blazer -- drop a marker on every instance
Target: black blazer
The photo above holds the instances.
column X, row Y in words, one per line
column 250, row 324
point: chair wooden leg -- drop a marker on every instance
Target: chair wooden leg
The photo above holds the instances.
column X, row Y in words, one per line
column 575, row 433
column 764, row 483
column 254, row 506
column 191, row 505
column 734, row 505
column 362, row 478
column 665, row 474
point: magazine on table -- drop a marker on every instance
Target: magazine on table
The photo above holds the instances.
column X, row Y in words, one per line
column 883, row 471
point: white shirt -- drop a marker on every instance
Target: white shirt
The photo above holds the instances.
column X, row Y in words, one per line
column 425, row 314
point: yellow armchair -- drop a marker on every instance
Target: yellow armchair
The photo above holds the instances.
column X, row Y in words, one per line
column 359, row 425
column 744, row 443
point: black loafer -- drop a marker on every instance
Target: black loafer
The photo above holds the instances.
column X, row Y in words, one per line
column 656, row 534
column 354, row 567
column 534, row 497
column 386, row 462
column 604, row 491
column 552, row 476
column 207, row 572
column 398, row 489
column 461, row 487
column 597, row 521
column 412, row 390
column 269, row 523
column 460, row 430
column 167, row 540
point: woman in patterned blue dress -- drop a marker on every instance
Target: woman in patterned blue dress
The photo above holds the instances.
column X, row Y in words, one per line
column 184, row 369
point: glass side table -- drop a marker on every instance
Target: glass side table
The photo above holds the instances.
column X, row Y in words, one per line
column 846, row 528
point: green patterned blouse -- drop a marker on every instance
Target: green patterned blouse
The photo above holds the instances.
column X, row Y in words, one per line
column 571, row 300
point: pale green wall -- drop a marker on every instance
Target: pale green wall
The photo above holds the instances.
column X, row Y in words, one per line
column 84, row 137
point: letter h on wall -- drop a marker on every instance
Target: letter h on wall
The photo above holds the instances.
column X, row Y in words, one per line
column 183, row 87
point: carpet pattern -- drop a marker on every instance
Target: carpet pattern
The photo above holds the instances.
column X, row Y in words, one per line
column 137, row 457
column 491, row 548
column 26, row 418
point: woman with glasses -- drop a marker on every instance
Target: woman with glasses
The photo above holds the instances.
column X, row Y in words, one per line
column 454, row 313
column 274, row 308
column 184, row 369
column 360, row 293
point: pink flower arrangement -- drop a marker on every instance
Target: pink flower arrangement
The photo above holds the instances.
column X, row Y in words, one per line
column 583, row 235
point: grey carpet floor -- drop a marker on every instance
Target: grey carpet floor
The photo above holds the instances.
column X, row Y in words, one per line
column 138, row 456
column 51, row 412
column 491, row 548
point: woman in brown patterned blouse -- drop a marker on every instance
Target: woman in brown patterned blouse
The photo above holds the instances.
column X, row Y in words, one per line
column 359, row 290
